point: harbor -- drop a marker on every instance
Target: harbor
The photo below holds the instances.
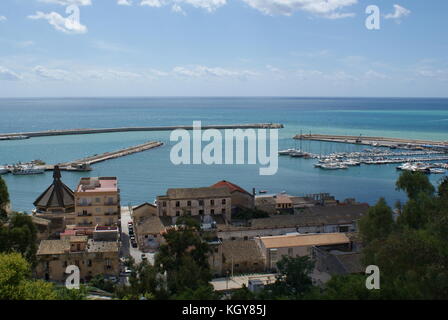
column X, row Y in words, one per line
column 27, row 135
column 393, row 143
column 84, row 164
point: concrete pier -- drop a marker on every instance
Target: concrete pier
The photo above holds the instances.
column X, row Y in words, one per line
column 372, row 141
column 26, row 135
column 78, row 165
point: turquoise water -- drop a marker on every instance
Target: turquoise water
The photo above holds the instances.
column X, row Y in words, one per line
column 145, row 175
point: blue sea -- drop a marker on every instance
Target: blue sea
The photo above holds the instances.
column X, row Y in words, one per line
column 145, row 175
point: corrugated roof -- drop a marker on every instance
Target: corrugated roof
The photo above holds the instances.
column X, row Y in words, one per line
column 305, row 240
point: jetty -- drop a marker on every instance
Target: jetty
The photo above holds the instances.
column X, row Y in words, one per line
column 375, row 141
column 27, row 135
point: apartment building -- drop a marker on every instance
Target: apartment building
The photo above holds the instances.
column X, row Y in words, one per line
column 208, row 201
column 97, row 202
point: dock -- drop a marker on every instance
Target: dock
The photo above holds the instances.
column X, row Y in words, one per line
column 372, row 141
column 27, row 135
column 85, row 163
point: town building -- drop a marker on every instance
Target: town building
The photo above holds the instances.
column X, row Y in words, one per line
column 336, row 262
column 149, row 233
column 241, row 257
column 240, row 197
column 275, row 247
column 317, row 219
column 90, row 256
column 56, row 204
column 97, row 202
column 201, row 202
column 143, row 211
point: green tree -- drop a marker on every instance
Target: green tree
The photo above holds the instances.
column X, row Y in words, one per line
column 377, row 223
column 4, row 198
column 348, row 287
column 16, row 282
column 19, row 235
column 293, row 278
column 414, row 183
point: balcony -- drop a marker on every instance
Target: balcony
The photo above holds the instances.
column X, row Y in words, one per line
column 84, row 204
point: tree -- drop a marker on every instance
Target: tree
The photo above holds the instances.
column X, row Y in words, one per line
column 378, row 223
column 4, row 198
column 16, row 283
column 347, row 287
column 293, row 279
column 20, row 235
column 414, row 183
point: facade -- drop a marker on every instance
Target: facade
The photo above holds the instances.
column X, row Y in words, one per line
column 143, row 211
column 56, row 204
column 273, row 248
column 195, row 202
column 97, row 202
column 91, row 257
column 149, row 233
column 240, row 197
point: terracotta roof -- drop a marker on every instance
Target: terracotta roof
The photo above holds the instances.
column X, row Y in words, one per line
column 241, row 250
column 304, row 240
column 229, row 185
column 53, row 247
column 102, row 246
column 198, row 193
column 57, row 195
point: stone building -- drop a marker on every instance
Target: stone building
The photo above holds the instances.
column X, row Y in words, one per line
column 91, row 257
column 240, row 197
column 97, row 202
column 56, row 204
column 143, row 211
column 200, row 202
column 241, row 256
column 275, row 247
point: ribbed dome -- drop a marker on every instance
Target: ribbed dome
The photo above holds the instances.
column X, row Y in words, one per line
column 57, row 195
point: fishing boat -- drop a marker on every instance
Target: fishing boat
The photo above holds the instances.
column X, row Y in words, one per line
column 263, row 191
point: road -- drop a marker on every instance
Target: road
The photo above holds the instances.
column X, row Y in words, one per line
column 126, row 248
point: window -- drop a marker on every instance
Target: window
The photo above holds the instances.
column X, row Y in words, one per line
column 98, row 210
column 212, row 211
column 97, row 199
column 201, row 202
column 290, row 252
column 164, row 204
column 89, row 263
column 177, row 213
column 223, row 201
column 201, row 212
column 177, row 203
column 189, row 203
column 223, row 211
column 212, row 202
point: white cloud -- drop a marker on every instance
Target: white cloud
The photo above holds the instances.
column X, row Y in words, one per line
column 68, row 2
column 204, row 71
column 66, row 25
column 3, row 18
column 6, row 74
column 399, row 13
column 177, row 8
column 52, row 74
column 325, row 8
column 208, row 5
column 124, row 2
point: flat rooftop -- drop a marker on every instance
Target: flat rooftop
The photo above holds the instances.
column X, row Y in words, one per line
column 304, row 240
column 98, row 184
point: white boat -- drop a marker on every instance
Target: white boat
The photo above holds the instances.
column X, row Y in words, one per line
column 27, row 170
column 3, row 170
column 286, row 152
column 436, row 171
column 297, row 154
column 333, row 166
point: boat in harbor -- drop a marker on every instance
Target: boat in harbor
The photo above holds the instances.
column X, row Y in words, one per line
column 333, row 166
column 27, row 170
column 297, row 154
column 286, row 152
column 3, row 170
column 437, row 171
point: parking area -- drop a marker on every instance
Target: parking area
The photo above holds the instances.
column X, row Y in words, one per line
column 126, row 248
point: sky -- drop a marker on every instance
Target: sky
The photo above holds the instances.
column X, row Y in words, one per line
column 96, row 48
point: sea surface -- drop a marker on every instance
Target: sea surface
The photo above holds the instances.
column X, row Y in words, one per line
column 143, row 176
